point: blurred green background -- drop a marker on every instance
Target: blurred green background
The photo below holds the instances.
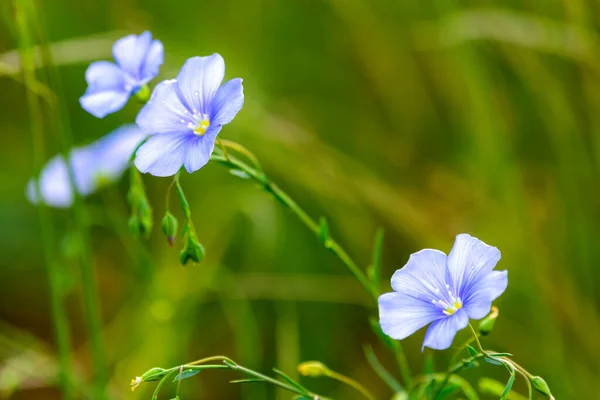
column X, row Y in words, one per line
column 426, row 118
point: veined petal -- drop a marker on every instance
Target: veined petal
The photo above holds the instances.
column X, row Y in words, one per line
column 104, row 75
column 200, row 149
column 227, row 102
column 441, row 333
column 470, row 260
column 423, row 277
column 478, row 301
column 164, row 154
column 130, row 52
column 199, row 80
column 400, row 316
column 154, row 59
column 164, row 112
column 103, row 102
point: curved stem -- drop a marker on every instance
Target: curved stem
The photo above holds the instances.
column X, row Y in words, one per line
column 351, row 382
column 311, row 224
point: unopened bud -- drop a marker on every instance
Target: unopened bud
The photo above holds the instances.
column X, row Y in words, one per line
column 541, row 386
column 169, row 227
column 313, row 369
column 487, row 324
column 193, row 250
column 143, row 94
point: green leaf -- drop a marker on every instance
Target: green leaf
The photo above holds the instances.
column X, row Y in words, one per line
column 186, row 374
column 494, row 388
column 381, row 371
column 448, row 390
column 493, row 361
column 472, row 350
column 250, row 380
column 290, row 381
column 508, row 386
column 323, row 230
column 239, row 173
column 374, row 269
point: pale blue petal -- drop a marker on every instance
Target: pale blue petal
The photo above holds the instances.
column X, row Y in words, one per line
column 154, row 59
column 102, row 103
column 478, row 302
column 441, row 333
column 199, row 80
column 54, row 185
column 423, row 277
column 200, row 149
column 114, row 151
column 164, row 112
column 227, row 102
column 106, row 92
column 400, row 316
column 130, row 53
column 470, row 260
column 164, row 154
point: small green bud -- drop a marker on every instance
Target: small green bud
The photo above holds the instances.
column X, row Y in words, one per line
column 169, row 227
column 313, row 369
column 193, row 250
column 134, row 226
column 487, row 324
column 541, row 386
column 153, row 374
column 143, row 94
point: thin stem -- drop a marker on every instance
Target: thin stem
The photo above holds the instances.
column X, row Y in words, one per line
column 223, row 148
column 351, row 382
column 280, row 195
column 476, row 338
column 90, row 291
column 403, row 364
column 59, row 314
column 168, row 195
column 209, row 359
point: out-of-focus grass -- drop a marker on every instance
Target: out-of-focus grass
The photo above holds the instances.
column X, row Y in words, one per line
column 429, row 119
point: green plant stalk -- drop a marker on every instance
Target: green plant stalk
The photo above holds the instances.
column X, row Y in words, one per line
column 311, row 224
column 59, row 314
column 350, row 382
column 90, row 291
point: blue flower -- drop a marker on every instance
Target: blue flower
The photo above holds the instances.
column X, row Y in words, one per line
column 94, row 166
column 447, row 291
column 184, row 116
column 138, row 59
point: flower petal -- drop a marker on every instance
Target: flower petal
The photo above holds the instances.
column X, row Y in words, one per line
column 164, row 154
column 130, row 52
column 199, row 150
column 154, row 59
column 106, row 92
column 469, row 261
column 423, row 277
column 478, row 302
column 228, row 100
column 54, row 185
column 113, row 152
column 164, row 112
column 400, row 316
column 199, row 80
column 441, row 333
column 102, row 103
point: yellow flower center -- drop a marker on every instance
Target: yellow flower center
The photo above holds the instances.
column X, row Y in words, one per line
column 202, row 124
column 457, row 305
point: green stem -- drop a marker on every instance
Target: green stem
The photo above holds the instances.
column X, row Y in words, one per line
column 90, row 291
column 280, row 195
column 403, row 364
column 351, row 382
column 55, row 278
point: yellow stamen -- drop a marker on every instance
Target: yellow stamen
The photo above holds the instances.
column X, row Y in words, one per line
column 202, row 126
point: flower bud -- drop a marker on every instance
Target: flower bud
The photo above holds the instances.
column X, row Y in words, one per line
column 541, row 386
column 193, row 250
column 153, row 374
column 487, row 324
column 140, row 222
column 169, row 227
column 143, row 94
column 313, row 369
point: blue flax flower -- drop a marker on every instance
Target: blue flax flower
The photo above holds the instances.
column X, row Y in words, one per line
column 184, row 116
column 94, row 166
column 138, row 59
column 443, row 290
